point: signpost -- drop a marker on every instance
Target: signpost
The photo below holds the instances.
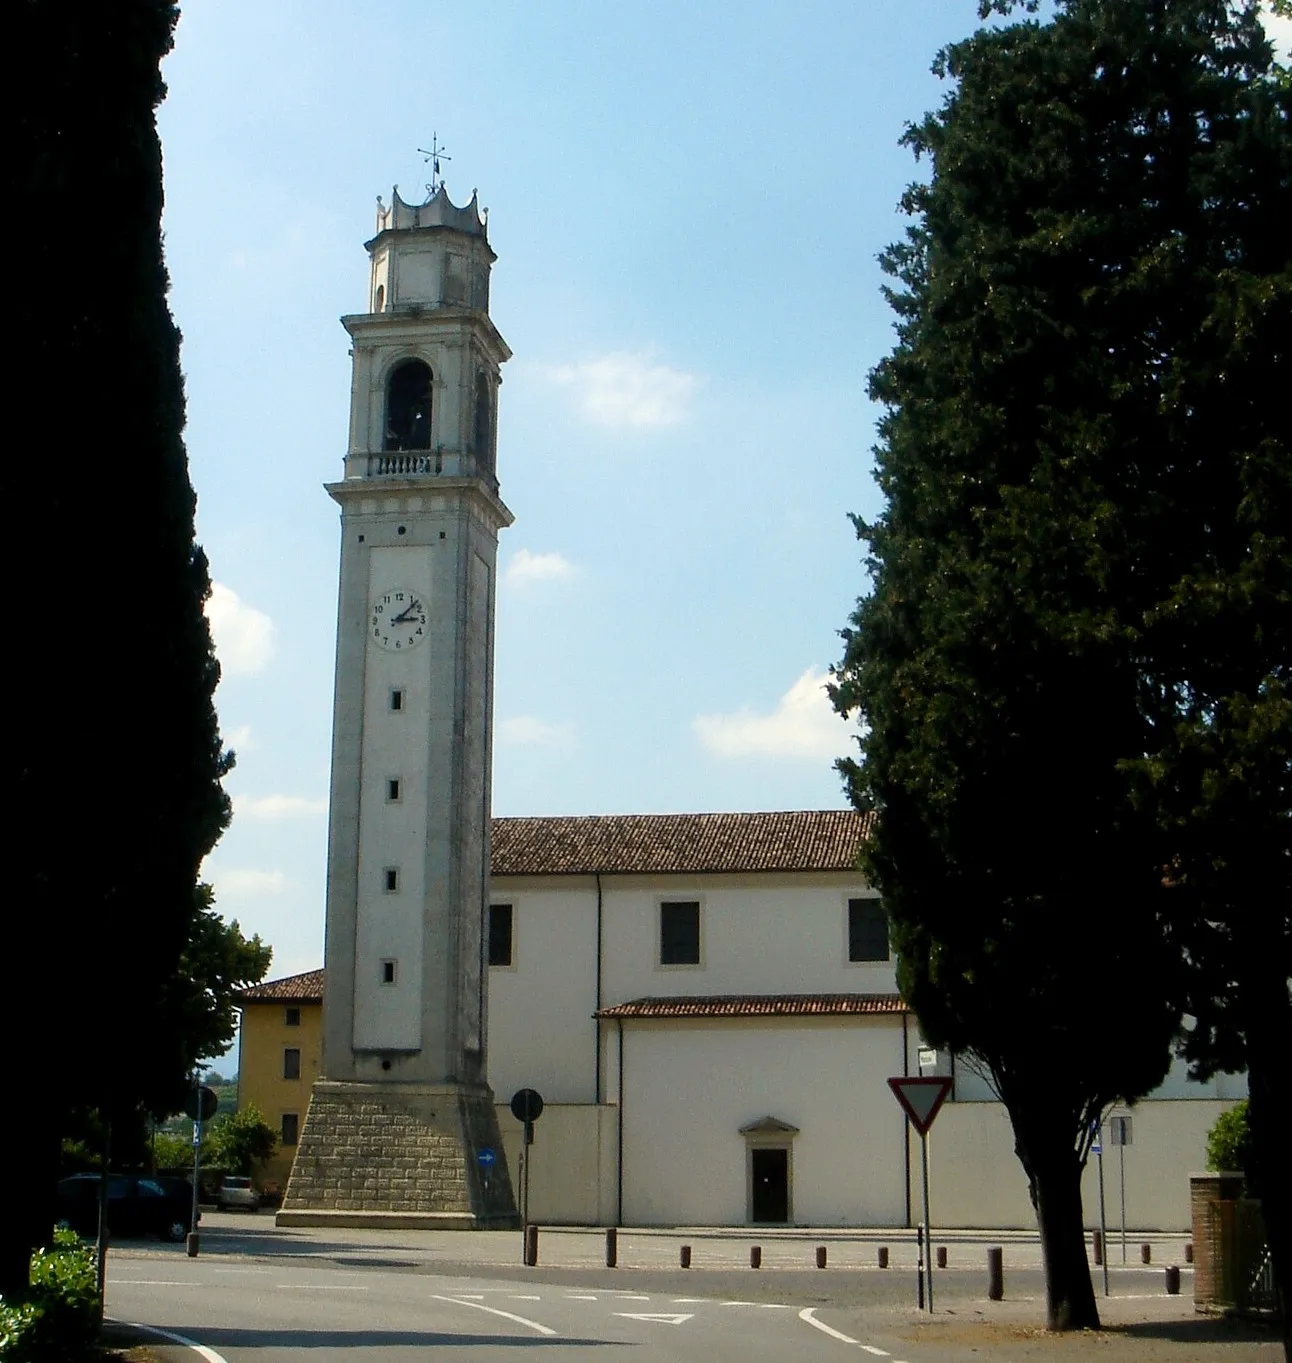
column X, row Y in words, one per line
column 921, row 1099
column 486, row 1159
column 526, row 1107
column 1120, row 1135
column 1097, row 1145
column 200, row 1106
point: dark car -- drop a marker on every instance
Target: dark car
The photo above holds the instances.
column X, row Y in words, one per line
column 137, row 1205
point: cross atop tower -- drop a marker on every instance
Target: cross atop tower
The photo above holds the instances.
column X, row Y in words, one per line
column 434, row 157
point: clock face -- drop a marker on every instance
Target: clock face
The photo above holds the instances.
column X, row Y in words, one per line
column 398, row 619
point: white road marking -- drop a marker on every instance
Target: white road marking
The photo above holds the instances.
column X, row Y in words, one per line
column 689, row 1301
column 580, row 1296
column 493, row 1311
column 243, row 1270
column 321, row 1287
column 659, row 1317
column 471, row 1296
column 879, row 1353
column 200, row 1350
column 738, row 1303
column 525, row 1296
column 806, row 1314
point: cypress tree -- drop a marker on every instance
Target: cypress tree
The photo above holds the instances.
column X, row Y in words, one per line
column 112, row 769
column 1053, row 446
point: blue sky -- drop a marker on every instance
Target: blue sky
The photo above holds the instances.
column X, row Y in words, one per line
column 687, row 202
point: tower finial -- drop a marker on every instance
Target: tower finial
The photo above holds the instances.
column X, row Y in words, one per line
column 434, row 157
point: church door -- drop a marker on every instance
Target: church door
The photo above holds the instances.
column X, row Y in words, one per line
column 770, row 1184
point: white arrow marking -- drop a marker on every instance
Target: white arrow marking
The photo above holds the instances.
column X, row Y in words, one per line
column 660, row 1318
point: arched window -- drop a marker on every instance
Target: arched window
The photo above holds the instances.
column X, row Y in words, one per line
column 381, row 298
column 482, row 427
column 408, row 407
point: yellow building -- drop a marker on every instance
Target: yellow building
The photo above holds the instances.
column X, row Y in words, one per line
column 280, row 1042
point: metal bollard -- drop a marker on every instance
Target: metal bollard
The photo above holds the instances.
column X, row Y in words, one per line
column 820, row 1256
column 1173, row 1280
column 1188, row 1252
column 684, row 1256
column 1097, row 1243
column 1146, row 1254
column 883, row 1256
column 995, row 1273
column 755, row 1256
column 531, row 1246
column 191, row 1242
column 612, row 1248
column 942, row 1256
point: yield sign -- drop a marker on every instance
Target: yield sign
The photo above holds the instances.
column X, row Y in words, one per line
column 921, row 1098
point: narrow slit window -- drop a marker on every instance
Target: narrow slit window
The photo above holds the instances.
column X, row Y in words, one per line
column 391, row 879
column 291, row 1127
column 500, row 934
column 388, row 972
column 291, row 1062
column 392, row 789
column 397, row 698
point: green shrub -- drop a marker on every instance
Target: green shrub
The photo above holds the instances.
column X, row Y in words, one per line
column 59, row 1320
column 1229, row 1142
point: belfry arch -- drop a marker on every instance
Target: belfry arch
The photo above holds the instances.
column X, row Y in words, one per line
column 408, row 407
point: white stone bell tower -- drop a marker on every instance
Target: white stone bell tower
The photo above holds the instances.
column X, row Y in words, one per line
column 402, row 1110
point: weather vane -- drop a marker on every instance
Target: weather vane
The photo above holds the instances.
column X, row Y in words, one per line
column 435, row 156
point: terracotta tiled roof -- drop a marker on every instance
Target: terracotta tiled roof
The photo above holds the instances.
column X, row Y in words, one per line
column 689, row 844
column 306, row 988
column 757, row 1006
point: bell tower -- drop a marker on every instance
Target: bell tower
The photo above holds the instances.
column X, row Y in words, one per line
column 402, row 1109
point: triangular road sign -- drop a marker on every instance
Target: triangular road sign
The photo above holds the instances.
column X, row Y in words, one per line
column 921, row 1098
column 659, row 1317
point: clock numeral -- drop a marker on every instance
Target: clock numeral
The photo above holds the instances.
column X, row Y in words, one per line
column 419, row 629
column 399, row 596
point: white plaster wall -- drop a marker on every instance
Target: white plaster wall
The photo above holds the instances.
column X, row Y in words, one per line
column 760, row 934
column 541, row 1031
column 572, row 1169
column 688, row 1088
column 976, row 1180
column 781, row 934
column 390, row 926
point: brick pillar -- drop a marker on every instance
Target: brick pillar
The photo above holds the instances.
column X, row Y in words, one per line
column 1208, row 1266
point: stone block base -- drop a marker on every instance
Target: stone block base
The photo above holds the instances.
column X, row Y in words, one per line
column 403, row 1156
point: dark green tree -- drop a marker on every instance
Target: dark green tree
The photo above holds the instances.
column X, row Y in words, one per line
column 1091, row 178
column 111, row 767
column 242, row 1140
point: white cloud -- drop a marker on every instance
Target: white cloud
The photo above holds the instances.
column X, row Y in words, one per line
column 240, row 882
column 623, row 389
column 803, row 725
column 244, row 636
column 1279, row 32
column 524, row 568
column 240, row 740
column 277, row 806
column 526, row 731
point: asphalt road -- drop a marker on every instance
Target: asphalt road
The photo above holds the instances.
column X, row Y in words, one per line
column 260, row 1294
column 293, row 1309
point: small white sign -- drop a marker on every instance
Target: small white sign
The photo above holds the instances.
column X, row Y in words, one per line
column 927, row 1057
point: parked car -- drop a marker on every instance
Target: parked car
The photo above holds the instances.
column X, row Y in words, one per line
column 137, row 1205
column 236, row 1192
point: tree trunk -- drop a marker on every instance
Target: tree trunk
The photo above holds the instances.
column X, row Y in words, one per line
column 1046, row 1148
column 1270, row 1119
column 28, row 1222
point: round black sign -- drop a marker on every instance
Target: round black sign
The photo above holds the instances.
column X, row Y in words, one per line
column 526, row 1105
column 201, row 1104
